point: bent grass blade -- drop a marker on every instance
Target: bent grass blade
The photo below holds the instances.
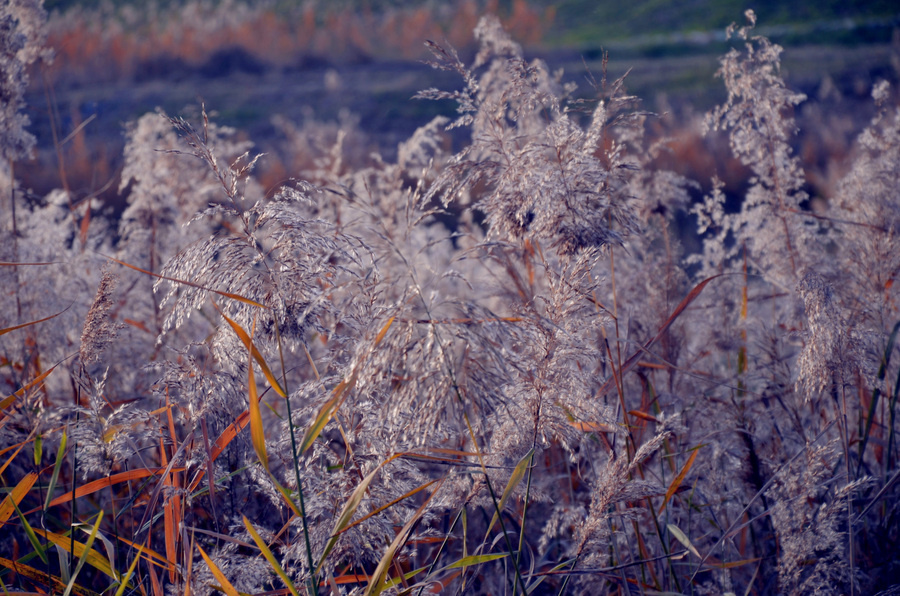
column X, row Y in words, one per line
column 224, row 584
column 676, row 482
column 267, row 553
column 514, row 480
column 15, row 496
column 237, row 297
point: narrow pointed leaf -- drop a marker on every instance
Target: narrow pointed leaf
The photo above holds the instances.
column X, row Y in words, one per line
column 126, row 580
column 77, row 549
column 514, row 480
column 222, row 442
column 406, row 495
column 326, row 412
column 474, row 560
column 224, row 584
column 683, row 539
column 94, row 486
column 257, row 433
column 245, row 337
column 36, row 381
column 15, row 496
column 43, row 578
column 32, row 537
column 636, row 357
column 377, row 583
column 54, row 478
column 676, row 482
column 237, row 297
column 332, row 405
column 148, row 553
column 8, row 329
column 349, row 509
column 70, row 586
column 264, row 549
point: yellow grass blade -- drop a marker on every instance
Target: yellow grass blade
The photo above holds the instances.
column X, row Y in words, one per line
column 676, row 482
column 76, row 548
column 333, row 404
column 383, row 332
column 71, row 585
column 43, row 578
column 151, row 555
column 514, row 480
column 264, row 549
column 683, row 539
column 126, row 580
column 406, row 495
column 224, row 584
column 257, row 433
column 474, row 560
column 15, row 496
column 326, row 412
column 255, row 353
column 733, row 564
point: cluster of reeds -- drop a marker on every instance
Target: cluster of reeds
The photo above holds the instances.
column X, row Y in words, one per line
column 134, row 40
column 492, row 370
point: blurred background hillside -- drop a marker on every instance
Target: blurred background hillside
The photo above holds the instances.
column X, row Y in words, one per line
column 290, row 75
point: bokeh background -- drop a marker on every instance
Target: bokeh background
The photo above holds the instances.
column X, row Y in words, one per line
column 289, row 75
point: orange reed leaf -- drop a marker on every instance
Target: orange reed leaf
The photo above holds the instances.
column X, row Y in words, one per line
column 593, row 427
column 36, row 381
column 222, row 442
column 14, row 327
column 642, row 416
column 149, row 554
column 255, row 353
column 237, row 297
column 676, row 482
column 15, row 496
column 94, row 486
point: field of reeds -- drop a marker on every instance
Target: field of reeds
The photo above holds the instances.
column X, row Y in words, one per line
column 523, row 352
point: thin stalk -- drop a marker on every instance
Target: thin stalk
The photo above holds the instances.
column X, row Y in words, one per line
column 846, row 446
column 630, row 446
column 562, row 588
column 665, row 546
column 615, row 549
column 525, row 510
column 314, row 584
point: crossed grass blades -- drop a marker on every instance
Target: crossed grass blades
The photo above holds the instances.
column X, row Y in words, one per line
column 329, row 389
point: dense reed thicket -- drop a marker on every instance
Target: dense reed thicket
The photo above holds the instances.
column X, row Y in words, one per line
column 491, row 370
